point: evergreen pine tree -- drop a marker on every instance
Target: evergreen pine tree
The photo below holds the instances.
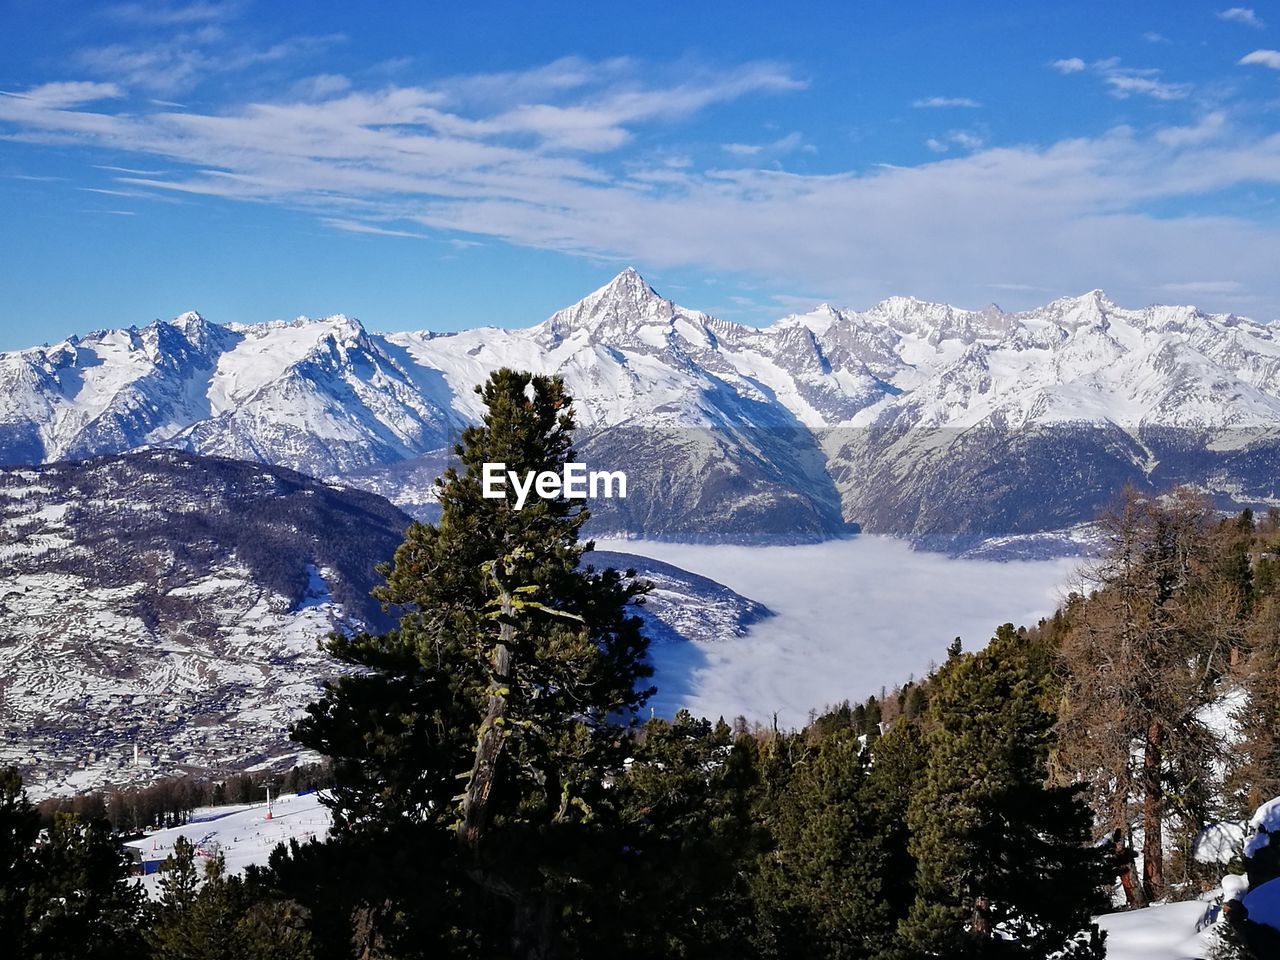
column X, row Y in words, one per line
column 491, row 711
column 822, row 889
column 677, row 874
column 82, row 904
column 1004, row 863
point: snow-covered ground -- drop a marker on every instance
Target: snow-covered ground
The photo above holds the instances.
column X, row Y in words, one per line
column 242, row 834
column 851, row 616
column 1164, row 932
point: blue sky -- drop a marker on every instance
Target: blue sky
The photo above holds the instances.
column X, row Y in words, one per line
column 447, row 165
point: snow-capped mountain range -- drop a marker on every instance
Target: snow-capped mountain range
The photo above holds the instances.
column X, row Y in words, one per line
column 909, row 417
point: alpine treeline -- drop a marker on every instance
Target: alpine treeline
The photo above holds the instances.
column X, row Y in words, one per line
column 494, row 795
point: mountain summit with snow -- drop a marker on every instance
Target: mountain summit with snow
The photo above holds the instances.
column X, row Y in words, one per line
column 909, row 417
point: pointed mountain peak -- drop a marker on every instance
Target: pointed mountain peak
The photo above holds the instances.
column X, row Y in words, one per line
column 818, row 320
column 1087, row 310
column 191, row 325
column 624, row 303
column 628, row 285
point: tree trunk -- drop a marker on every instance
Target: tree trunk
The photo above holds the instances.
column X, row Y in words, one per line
column 475, row 802
column 1153, row 814
column 1125, row 858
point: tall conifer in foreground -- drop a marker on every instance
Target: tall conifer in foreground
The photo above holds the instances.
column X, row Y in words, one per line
column 488, row 718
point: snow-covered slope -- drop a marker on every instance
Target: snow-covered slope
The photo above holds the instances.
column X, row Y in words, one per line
column 242, row 834
column 909, row 417
column 175, row 604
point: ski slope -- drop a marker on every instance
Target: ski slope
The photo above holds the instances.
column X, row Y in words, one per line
column 242, row 834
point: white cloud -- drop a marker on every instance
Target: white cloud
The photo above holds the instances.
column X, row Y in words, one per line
column 320, row 86
column 942, row 102
column 464, row 162
column 58, row 96
column 1208, row 127
column 1203, row 287
column 1152, row 37
column 355, row 226
column 808, row 655
column 165, row 15
column 1243, row 15
column 1262, row 58
column 1124, row 82
column 783, row 145
column 965, row 139
column 176, row 63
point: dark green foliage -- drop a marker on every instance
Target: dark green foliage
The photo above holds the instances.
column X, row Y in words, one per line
column 79, row 904
column 675, row 881
column 1004, row 862
column 398, row 890
column 222, row 918
column 821, row 890
column 19, row 826
column 491, row 710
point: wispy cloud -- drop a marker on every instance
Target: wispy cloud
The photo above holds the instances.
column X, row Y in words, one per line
column 942, row 102
column 1124, row 82
column 470, row 160
column 1128, row 83
column 1210, row 126
column 1203, row 287
column 356, row 226
column 783, row 145
column 1242, row 15
column 1262, row 58
column 169, row 15
column 59, row 96
column 1152, row 37
column 965, row 139
column 320, row 86
column 175, row 63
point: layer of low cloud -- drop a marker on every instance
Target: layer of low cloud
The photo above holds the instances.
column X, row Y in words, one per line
column 840, row 629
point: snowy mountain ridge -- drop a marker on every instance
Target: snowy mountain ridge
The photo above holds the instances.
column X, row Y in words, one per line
column 804, row 421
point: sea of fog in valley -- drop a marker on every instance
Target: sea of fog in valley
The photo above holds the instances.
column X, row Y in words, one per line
column 851, row 616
